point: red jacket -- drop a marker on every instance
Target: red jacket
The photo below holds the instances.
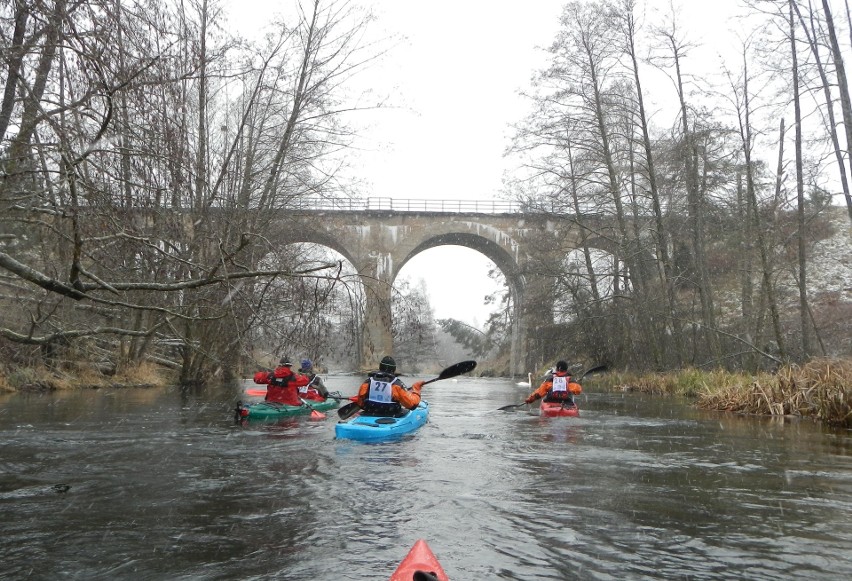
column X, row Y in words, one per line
column 282, row 384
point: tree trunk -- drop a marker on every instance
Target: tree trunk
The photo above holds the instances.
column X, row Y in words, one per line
column 843, row 87
column 660, row 231
column 800, row 196
column 695, row 209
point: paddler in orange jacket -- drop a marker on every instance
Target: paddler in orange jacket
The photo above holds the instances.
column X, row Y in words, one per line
column 557, row 386
column 384, row 394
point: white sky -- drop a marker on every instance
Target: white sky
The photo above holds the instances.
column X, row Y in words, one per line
column 455, row 76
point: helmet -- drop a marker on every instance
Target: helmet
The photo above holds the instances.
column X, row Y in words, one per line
column 306, row 364
column 561, row 366
column 387, row 364
column 285, row 361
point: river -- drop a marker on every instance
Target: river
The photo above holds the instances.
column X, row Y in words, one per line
column 162, row 484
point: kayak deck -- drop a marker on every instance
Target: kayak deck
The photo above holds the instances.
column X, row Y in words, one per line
column 552, row 409
column 375, row 429
column 270, row 410
column 419, row 563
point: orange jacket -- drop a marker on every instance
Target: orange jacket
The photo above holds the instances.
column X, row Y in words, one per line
column 408, row 399
column 547, row 385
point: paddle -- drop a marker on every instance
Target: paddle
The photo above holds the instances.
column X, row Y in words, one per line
column 350, row 409
column 315, row 413
column 596, row 369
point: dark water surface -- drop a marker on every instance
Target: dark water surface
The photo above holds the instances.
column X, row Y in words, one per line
column 161, row 484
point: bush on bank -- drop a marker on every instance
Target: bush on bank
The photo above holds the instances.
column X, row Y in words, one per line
column 820, row 389
column 145, row 374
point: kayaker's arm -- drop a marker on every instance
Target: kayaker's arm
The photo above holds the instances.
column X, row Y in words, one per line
column 540, row 392
column 363, row 391
column 409, row 399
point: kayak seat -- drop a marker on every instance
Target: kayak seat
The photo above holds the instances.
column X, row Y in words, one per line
column 424, row 576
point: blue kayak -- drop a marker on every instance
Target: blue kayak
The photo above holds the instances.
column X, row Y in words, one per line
column 376, row 429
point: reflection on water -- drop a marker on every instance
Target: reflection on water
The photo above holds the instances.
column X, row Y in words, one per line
column 162, row 484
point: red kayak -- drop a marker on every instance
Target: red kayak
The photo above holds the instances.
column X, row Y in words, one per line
column 552, row 409
column 420, row 564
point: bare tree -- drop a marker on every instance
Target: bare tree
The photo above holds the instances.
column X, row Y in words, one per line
column 144, row 184
column 678, row 51
column 843, row 85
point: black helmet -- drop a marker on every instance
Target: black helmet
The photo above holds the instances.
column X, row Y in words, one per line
column 561, row 366
column 387, row 364
column 285, row 361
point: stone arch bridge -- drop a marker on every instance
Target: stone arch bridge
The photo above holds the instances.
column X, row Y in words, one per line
column 380, row 235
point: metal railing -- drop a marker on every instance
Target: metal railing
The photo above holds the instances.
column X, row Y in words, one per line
column 385, row 204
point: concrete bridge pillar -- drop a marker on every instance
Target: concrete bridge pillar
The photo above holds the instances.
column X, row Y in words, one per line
column 377, row 274
column 536, row 316
column 377, row 338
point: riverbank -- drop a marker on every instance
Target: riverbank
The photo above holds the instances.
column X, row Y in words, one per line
column 83, row 377
column 820, row 389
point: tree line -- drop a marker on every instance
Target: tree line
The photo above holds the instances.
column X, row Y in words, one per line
column 716, row 215
column 129, row 128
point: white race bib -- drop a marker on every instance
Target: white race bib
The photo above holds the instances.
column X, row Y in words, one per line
column 381, row 391
column 560, row 384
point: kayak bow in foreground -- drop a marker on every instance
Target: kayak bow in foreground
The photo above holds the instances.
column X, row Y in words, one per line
column 420, row 564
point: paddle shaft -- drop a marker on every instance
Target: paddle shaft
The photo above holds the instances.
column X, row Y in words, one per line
column 314, row 411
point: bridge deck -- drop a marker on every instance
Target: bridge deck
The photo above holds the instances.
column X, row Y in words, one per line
column 414, row 205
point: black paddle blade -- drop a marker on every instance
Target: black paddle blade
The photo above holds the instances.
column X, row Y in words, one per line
column 596, row 369
column 348, row 411
column 510, row 406
column 453, row 370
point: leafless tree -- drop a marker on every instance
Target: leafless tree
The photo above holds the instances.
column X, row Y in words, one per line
column 148, row 163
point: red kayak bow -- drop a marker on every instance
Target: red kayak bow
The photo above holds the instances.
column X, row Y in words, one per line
column 420, row 564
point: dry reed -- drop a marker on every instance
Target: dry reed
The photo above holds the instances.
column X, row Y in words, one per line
column 821, row 389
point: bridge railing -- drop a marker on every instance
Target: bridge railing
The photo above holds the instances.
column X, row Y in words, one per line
column 396, row 205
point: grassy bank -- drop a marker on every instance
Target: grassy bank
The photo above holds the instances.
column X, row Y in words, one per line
column 820, row 389
column 81, row 377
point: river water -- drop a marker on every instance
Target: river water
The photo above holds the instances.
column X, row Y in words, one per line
column 162, row 484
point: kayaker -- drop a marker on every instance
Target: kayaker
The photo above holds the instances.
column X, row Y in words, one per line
column 557, row 386
column 315, row 390
column 384, row 394
column 282, row 385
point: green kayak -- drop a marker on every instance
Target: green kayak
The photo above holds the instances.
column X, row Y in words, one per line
column 270, row 410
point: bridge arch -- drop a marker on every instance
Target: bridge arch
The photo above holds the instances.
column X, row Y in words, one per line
column 505, row 261
column 379, row 242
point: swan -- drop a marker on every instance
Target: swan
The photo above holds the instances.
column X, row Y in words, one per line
column 525, row 383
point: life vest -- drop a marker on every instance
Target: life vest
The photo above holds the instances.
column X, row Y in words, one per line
column 307, row 386
column 381, row 388
column 280, row 381
column 559, row 390
column 379, row 400
column 311, row 394
column 283, row 386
